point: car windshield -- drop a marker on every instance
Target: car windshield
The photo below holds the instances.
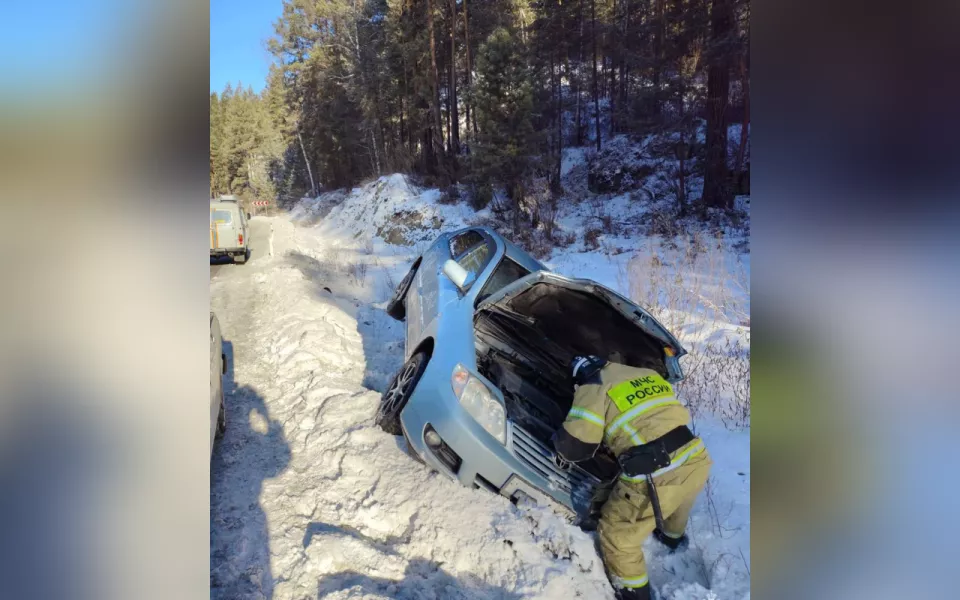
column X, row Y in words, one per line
column 506, row 273
column 220, row 216
column 474, row 260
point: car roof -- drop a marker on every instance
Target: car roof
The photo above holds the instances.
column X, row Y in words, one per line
column 228, row 204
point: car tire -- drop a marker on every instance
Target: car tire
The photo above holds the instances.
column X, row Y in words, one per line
column 221, row 417
column 396, row 308
column 398, row 393
column 241, row 258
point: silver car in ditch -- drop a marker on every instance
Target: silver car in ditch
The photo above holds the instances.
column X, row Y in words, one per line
column 490, row 332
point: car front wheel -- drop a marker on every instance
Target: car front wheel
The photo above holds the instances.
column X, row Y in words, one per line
column 398, row 393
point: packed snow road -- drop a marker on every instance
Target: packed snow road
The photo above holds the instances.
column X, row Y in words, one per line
column 309, row 499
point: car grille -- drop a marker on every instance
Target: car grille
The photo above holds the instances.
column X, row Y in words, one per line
column 536, row 455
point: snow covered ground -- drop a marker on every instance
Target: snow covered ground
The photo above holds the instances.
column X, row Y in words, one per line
column 310, row 499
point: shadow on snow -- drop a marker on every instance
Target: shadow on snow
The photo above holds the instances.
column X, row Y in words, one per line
column 243, row 459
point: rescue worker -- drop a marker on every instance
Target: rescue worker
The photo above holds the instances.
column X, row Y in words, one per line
column 663, row 465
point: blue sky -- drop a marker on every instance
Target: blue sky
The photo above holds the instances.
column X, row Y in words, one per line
column 238, row 33
column 60, row 45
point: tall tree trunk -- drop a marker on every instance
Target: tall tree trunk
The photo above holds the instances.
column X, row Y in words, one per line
column 682, row 176
column 473, row 116
column 627, row 47
column 716, row 184
column 387, row 154
column 681, row 153
column 596, row 92
column 559, row 123
column 613, row 96
column 454, row 115
column 359, row 66
column 429, row 160
column 602, row 75
column 435, row 81
column 614, row 52
column 306, row 160
column 657, row 54
column 379, row 143
column 466, row 44
column 556, row 107
column 403, row 131
column 376, row 152
column 744, row 129
column 466, row 26
column 561, row 52
column 579, row 72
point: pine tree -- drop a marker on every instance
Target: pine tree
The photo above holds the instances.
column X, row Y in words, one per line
column 503, row 100
column 216, row 143
column 365, row 87
column 716, row 183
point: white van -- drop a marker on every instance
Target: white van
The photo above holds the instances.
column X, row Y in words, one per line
column 228, row 229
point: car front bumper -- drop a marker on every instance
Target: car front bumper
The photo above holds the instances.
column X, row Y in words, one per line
column 522, row 467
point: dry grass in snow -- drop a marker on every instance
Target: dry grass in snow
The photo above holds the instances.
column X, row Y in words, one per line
column 700, row 292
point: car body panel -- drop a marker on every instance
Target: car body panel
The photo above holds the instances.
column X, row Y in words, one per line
column 519, row 256
column 438, row 311
column 228, row 228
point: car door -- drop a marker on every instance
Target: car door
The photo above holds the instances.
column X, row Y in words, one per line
column 223, row 227
column 434, row 291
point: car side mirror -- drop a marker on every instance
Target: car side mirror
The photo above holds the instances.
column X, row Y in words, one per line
column 460, row 277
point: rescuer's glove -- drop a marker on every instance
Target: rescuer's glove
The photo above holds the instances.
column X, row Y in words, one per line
column 582, row 368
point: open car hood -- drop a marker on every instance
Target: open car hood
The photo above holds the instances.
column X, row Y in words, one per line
column 588, row 318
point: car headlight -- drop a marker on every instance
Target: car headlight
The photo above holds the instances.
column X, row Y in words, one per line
column 477, row 399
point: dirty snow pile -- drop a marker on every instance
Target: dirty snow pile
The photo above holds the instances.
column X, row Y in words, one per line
column 389, row 208
column 310, row 499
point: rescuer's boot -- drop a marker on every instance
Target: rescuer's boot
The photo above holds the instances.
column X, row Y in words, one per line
column 640, row 593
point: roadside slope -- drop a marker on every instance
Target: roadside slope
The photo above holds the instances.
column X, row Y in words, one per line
column 310, row 499
column 696, row 282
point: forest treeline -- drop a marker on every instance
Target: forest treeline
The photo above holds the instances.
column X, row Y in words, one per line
column 486, row 93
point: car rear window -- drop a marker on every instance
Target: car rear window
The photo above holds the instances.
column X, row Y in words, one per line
column 506, row 273
column 221, row 216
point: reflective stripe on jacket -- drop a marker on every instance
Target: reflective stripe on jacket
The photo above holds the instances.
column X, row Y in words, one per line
column 624, row 407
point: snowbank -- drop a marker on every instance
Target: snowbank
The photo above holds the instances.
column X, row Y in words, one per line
column 351, row 516
column 389, row 209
